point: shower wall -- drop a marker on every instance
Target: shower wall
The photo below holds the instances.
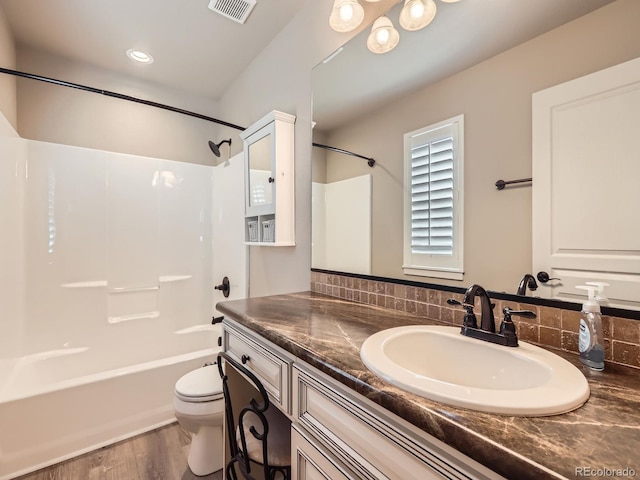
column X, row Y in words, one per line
column 341, row 225
column 100, row 249
column 12, row 153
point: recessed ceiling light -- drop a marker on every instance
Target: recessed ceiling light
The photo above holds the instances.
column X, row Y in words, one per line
column 139, row 56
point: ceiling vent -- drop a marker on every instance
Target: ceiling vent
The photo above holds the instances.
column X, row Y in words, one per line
column 237, row 10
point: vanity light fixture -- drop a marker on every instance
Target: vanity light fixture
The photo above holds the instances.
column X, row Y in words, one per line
column 417, row 14
column 383, row 37
column 346, row 15
column 139, row 56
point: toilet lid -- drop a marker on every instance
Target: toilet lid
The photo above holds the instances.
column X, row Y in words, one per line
column 199, row 384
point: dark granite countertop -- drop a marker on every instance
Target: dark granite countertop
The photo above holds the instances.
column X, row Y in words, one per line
column 327, row 332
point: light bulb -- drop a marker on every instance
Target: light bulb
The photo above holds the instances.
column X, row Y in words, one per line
column 346, row 12
column 382, row 35
column 416, row 10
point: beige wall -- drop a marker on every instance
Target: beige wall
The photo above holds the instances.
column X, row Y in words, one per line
column 7, row 82
column 68, row 116
column 495, row 97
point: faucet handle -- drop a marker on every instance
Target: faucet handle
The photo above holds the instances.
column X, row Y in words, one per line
column 469, row 317
column 521, row 313
column 507, row 327
column 466, row 306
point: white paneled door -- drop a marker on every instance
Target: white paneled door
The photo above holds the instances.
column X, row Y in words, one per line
column 586, row 192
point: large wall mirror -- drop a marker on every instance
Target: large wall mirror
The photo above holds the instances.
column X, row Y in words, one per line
column 483, row 60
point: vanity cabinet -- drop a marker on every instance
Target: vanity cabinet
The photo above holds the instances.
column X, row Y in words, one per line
column 373, row 443
column 269, row 180
column 339, row 434
column 272, row 368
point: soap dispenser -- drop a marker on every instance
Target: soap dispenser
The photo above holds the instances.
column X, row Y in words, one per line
column 591, row 339
column 599, row 297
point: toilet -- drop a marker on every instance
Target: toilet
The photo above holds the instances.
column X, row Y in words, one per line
column 199, row 407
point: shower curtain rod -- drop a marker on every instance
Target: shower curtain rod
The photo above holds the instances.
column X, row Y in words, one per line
column 150, row 103
column 370, row 161
column 117, row 95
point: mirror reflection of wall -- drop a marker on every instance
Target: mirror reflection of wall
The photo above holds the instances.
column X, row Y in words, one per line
column 495, row 98
column 341, row 225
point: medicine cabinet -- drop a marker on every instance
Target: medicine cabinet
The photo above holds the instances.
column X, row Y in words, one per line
column 269, row 180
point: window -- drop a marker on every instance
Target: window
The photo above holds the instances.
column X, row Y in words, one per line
column 433, row 165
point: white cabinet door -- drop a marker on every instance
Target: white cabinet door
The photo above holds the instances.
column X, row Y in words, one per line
column 586, row 189
column 310, row 461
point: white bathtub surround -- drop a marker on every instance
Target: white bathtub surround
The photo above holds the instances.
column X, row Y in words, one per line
column 101, row 239
column 45, row 372
column 106, row 283
column 78, row 415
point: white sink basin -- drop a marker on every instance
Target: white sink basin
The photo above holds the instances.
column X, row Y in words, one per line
column 439, row 363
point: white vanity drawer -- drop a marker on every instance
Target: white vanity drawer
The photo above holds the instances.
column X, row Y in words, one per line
column 272, row 370
column 370, row 445
column 311, row 461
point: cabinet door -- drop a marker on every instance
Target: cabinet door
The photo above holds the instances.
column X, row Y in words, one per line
column 271, row 369
column 310, row 461
column 260, row 158
column 585, row 190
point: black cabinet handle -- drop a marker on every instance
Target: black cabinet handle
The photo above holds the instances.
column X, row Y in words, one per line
column 245, row 359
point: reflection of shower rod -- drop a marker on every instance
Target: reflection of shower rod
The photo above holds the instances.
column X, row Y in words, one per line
column 370, row 161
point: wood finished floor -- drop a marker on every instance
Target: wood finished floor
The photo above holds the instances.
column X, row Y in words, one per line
column 157, row 455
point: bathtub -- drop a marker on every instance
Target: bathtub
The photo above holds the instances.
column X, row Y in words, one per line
column 57, row 404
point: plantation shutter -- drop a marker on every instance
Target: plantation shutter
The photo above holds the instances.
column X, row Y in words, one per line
column 432, row 191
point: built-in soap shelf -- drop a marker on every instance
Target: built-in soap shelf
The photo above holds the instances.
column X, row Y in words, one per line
column 126, row 304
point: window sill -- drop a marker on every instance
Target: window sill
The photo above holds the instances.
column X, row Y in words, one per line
column 434, row 273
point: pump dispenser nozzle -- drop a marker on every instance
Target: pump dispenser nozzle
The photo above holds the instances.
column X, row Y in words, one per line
column 591, row 305
column 599, row 296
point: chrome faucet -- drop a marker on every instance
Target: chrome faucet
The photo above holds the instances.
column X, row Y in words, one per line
column 527, row 280
column 487, row 321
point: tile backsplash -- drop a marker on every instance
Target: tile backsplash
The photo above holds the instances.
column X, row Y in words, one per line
column 552, row 327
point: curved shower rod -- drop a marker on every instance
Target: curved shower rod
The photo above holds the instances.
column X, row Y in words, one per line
column 370, row 161
column 162, row 106
column 117, row 95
